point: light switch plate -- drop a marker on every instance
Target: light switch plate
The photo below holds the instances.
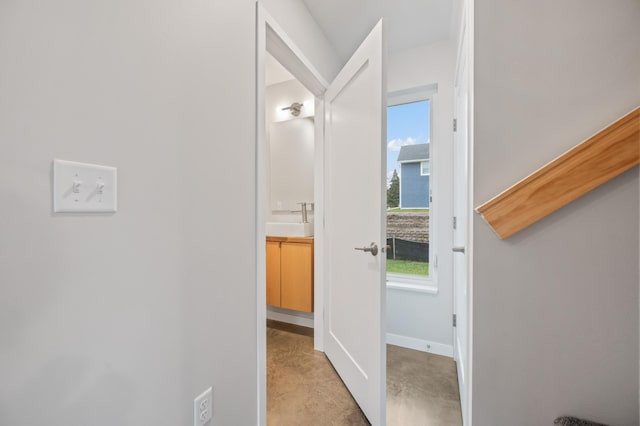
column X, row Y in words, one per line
column 84, row 188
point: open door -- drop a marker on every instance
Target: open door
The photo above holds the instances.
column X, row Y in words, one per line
column 460, row 209
column 355, row 155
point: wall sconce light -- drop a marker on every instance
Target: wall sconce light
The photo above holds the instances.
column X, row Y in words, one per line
column 294, row 108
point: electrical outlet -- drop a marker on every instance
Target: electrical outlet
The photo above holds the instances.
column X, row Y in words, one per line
column 203, row 408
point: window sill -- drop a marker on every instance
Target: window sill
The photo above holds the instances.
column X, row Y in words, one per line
column 416, row 285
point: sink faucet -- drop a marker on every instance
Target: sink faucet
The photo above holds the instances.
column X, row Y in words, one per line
column 305, row 219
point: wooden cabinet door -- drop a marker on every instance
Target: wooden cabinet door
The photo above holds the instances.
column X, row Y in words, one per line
column 296, row 280
column 273, row 273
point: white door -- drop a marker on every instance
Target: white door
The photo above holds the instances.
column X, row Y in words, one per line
column 460, row 287
column 355, row 133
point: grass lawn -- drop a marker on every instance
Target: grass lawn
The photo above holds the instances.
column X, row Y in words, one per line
column 399, row 210
column 407, row 267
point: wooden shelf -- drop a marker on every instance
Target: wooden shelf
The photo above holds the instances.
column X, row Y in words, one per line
column 588, row 165
column 289, row 239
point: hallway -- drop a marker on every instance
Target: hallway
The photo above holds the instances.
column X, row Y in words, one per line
column 303, row 387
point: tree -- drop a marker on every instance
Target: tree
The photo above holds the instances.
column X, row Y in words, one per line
column 393, row 192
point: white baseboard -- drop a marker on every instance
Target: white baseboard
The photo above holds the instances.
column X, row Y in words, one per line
column 420, row 345
column 290, row 318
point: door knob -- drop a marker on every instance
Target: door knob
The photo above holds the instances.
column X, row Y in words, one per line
column 458, row 249
column 373, row 249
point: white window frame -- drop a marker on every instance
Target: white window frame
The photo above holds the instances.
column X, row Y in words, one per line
column 422, row 163
column 414, row 283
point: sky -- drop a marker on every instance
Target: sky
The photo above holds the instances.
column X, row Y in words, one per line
column 407, row 124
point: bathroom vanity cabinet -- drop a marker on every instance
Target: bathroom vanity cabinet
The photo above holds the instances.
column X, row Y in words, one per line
column 290, row 273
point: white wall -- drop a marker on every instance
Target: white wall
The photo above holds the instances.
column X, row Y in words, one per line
column 122, row 319
column 284, row 93
column 276, row 96
column 422, row 316
column 298, row 23
column 555, row 306
column 295, row 19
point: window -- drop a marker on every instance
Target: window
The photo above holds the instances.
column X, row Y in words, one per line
column 424, row 168
column 408, row 194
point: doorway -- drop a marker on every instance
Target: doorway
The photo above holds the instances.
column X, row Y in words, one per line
column 276, row 42
column 349, row 291
column 422, row 383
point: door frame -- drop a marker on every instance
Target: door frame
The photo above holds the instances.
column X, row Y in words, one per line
column 270, row 37
column 466, row 41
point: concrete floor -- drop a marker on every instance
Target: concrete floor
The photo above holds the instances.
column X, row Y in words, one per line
column 304, row 389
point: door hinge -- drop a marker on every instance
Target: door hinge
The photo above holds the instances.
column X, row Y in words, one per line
column 455, row 321
column 455, row 124
column 455, row 222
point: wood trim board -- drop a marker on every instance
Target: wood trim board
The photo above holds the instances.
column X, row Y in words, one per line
column 275, row 239
column 605, row 155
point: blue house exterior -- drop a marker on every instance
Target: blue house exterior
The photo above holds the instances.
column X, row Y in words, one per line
column 415, row 173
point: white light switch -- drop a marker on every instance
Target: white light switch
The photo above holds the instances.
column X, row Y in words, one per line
column 84, row 188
